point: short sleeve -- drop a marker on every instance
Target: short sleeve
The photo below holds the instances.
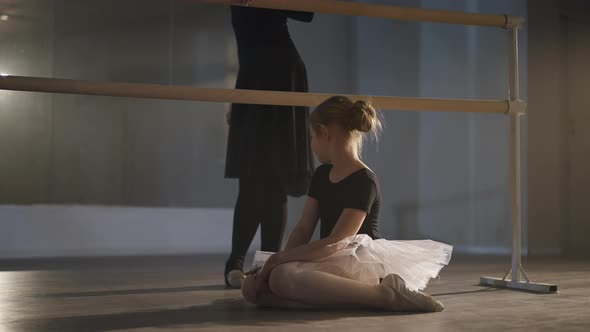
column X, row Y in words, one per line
column 316, row 182
column 361, row 195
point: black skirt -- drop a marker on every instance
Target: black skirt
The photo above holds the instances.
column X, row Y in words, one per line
column 271, row 141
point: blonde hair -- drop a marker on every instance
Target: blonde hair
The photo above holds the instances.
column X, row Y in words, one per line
column 358, row 118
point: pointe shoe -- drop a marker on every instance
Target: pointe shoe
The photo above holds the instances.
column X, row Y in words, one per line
column 410, row 300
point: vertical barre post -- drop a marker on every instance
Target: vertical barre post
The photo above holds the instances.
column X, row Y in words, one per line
column 515, row 144
column 515, row 114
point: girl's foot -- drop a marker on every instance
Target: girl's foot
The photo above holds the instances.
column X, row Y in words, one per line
column 406, row 299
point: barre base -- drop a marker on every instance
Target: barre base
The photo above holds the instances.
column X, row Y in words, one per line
column 519, row 285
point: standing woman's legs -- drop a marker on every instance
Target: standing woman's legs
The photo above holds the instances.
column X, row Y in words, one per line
column 245, row 225
column 260, row 201
column 273, row 208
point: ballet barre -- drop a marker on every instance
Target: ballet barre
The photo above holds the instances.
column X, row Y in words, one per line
column 349, row 8
column 240, row 96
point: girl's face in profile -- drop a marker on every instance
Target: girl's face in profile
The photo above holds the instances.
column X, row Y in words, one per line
column 319, row 144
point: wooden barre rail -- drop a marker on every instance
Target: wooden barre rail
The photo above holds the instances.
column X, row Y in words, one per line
column 382, row 11
column 216, row 95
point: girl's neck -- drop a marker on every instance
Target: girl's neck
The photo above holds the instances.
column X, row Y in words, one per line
column 346, row 162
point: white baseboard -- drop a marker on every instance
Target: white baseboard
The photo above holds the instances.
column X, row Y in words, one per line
column 67, row 231
column 546, row 252
column 79, row 231
column 481, row 250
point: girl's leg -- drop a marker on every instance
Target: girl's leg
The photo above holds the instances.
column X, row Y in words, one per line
column 291, row 286
column 266, row 298
column 318, row 288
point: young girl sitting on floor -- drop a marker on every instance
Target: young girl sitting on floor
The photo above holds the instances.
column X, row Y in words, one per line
column 350, row 266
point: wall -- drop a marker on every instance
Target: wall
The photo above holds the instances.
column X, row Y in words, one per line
column 558, row 184
column 446, row 175
column 443, row 176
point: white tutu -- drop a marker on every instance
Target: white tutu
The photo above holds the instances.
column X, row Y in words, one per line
column 361, row 258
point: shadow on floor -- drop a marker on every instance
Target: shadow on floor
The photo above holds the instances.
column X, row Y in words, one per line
column 220, row 312
column 481, row 290
column 123, row 292
column 137, row 291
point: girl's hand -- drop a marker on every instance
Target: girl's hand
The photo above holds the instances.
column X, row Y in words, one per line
column 253, row 272
column 228, row 117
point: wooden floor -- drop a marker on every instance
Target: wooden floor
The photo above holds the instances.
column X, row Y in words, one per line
column 186, row 294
